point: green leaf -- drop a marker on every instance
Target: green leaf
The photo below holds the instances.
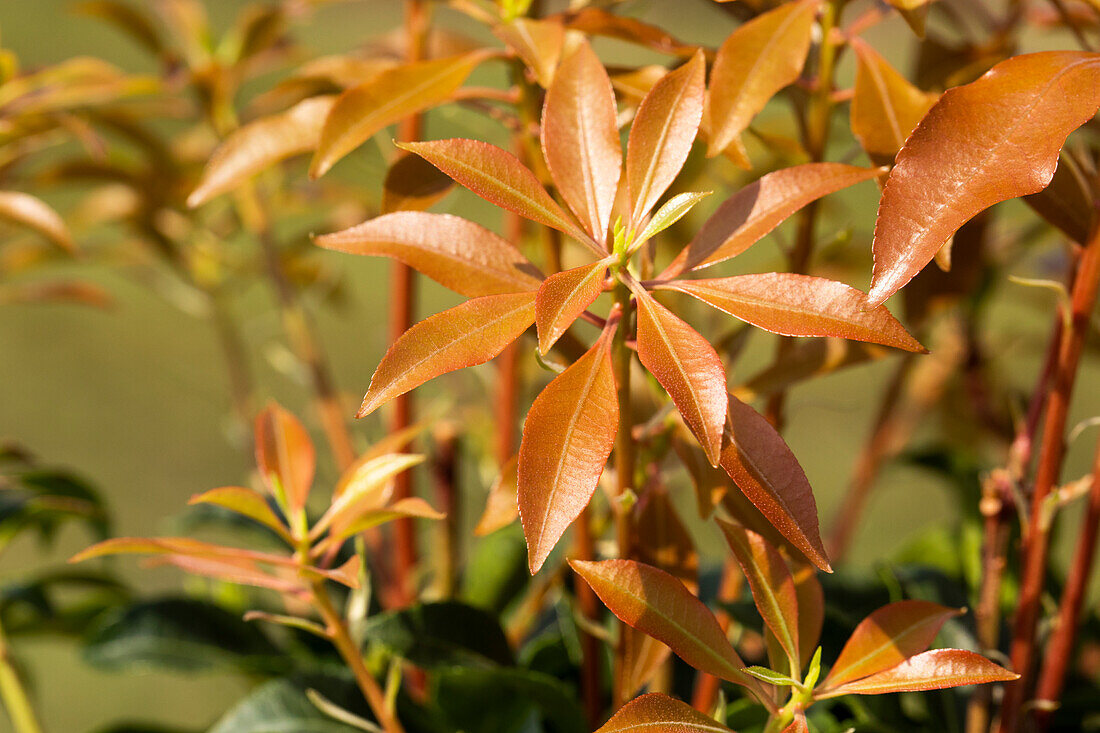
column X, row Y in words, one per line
column 670, row 213
column 469, row 696
column 281, row 706
column 444, row 634
column 770, row 676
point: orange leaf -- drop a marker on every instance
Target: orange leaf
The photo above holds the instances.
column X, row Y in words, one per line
column 567, row 438
column 537, row 42
column 800, row 305
column 756, row 61
column 932, row 670
column 751, row 213
column 29, row 211
column 643, row 657
column 992, row 140
column 580, row 139
column 811, row 610
column 689, row 369
column 464, row 336
column 599, row 22
column 887, row 638
column 456, row 253
column 246, row 502
column 664, row 129
column 284, row 455
column 657, row 713
column 364, row 489
column 663, row 541
column 354, row 523
column 564, row 296
column 502, row 504
column 763, row 467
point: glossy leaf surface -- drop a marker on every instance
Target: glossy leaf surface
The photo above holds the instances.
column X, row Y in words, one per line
column 885, row 106
column 932, row 670
column 657, row 713
column 563, row 297
column 284, row 455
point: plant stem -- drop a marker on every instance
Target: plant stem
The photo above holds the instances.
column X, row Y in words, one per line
column 1037, row 540
column 445, row 469
column 16, row 700
column 589, row 607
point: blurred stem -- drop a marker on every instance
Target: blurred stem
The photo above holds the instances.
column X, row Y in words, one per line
column 1051, row 454
column 588, row 605
column 236, row 359
column 625, row 457
column 445, row 471
column 16, row 700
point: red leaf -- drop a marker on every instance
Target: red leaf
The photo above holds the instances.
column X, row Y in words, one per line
column 285, row 456
column 563, row 297
column 932, row 670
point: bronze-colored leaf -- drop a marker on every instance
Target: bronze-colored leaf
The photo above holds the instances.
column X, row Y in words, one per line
column 285, row 456
column 934, row 670
column 34, row 213
column 811, row 610
column 245, row 502
column 563, row 297
column 413, row 184
column 502, row 504
column 537, row 42
column 599, row 22
column 657, row 713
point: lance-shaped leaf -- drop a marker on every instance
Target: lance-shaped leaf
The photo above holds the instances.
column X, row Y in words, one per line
column 34, row 213
column 811, row 610
column 537, row 42
column 456, row 253
column 980, row 144
column 564, row 296
column 364, row 490
column 567, row 438
column 689, row 369
column 761, row 464
column 498, row 177
column 771, row 583
column 756, row 61
column 754, row 211
column 390, row 96
column 655, row 602
column 284, row 455
column 800, row 305
column 663, row 131
column 502, row 504
column 464, row 336
column 642, row 657
column 261, row 144
column 580, row 139
column 932, row 670
column 245, row 502
column 354, row 522
column 657, row 713
column 885, row 106
column 669, row 213
column 599, row 22
column 887, row 638
column 413, row 184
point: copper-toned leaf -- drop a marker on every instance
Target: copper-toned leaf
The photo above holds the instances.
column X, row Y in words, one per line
column 642, row 659
column 663, row 541
column 127, row 19
column 76, row 292
column 34, row 213
column 689, row 369
column 464, row 336
column 751, row 213
column 758, row 460
column 988, row 141
column 458, row 254
column 932, row 670
column 567, row 438
column 244, row 501
column 655, row 602
column 798, row 725
column 657, row 713
column 259, row 145
column 662, row 134
column 564, row 296
column 1067, row 202
column 499, row 177
column 800, row 305
column 581, row 141
column 888, row 637
column 771, row 583
column 502, row 504
column 413, row 184
column 231, row 570
column 390, row 96
column 885, row 106
column 364, row 489
column 756, row 61
column 284, row 455
column 353, row 522
column 537, row 42
column 811, row 610
column 599, row 22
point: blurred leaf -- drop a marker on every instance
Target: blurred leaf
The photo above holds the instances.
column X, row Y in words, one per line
column 58, row 601
column 33, row 213
column 441, row 635
column 502, row 504
column 469, row 697
column 1067, row 202
column 282, row 705
column 496, row 572
column 595, row 21
column 811, row 610
column 664, row 542
column 364, row 491
column 537, row 42
column 932, row 670
column 413, row 184
column 246, row 502
column 285, row 456
column 42, row 500
column 657, row 713
column 125, row 17
column 563, row 297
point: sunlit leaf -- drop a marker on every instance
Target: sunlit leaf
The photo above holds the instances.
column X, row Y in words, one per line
column 464, row 336
column 758, row 460
column 284, row 455
column 567, row 438
column 390, row 96
column 456, row 253
column 259, row 145
column 754, row 211
column 657, row 713
column 689, row 369
column 563, row 297
column 932, row 670
column 580, row 139
column 988, row 141
column 413, row 184
column 244, row 501
column 354, row 522
column 364, row 490
column 34, row 213
column 595, row 21
column 888, row 637
column 670, row 213
column 811, row 610
column 502, row 504
column 800, row 305
column 756, row 61
column 662, row 134
column 537, row 42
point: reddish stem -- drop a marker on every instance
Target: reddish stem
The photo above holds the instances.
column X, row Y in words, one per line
column 589, row 606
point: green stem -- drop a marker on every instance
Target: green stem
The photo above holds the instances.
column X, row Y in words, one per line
column 16, row 700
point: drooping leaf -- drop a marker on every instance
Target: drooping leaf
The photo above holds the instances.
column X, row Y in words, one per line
column 932, row 670
column 595, row 21
column 456, row 253
column 580, row 139
column 284, row 455
column 800, row 305
column 689, row 369
column 758, row 460
column 885, row 106
column 657, row 713
column 443, row 634
column 563, row 297
column 464, row 336
column 754, row 211
column 390, row 96
column 655, row 602
column 537, row 42
column 413, row 184
column 662, row 134
column 994, row 139
column 772, row 586
column 502, row 504
column 244, row 501
column 888, row 637
column 34, row 213
column 756, row 61
column 567, row 437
